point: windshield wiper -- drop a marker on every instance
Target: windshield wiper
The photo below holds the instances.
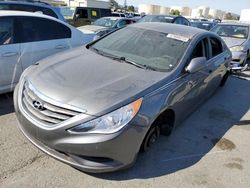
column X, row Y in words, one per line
column 105, row 54
column 136, row 64
column 123, row 59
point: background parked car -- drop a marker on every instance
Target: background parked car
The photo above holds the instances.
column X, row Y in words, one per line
column 103, row 26
column 32, row 6
column 165, row 18
column 26, row 38
column 79, row 16
column 237, row 38
column 203, row 24
column 118, row 14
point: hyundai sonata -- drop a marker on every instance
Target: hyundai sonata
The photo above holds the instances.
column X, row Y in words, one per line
column 96, row 107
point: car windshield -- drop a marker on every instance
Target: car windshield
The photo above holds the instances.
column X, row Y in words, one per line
column 235, row 31
column 153, row 18
column 67, row 12
column 159, row 51
column 106, row 22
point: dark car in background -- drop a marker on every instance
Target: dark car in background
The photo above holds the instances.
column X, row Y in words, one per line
column 32, row 6
column 103, row 26
column 207, row 25
column 165, row 19
column 79, row 16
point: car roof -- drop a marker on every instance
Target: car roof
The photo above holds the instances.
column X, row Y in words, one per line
column 176, row 29
column 23, row 13
column 35, row 3
column 118, row 18
column 166, row 15
column 234, row 23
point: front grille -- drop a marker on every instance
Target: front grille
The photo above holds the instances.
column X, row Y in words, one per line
column 44, row 112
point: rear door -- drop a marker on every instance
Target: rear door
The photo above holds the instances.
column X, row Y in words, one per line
column 40, row 38
column 10, row 65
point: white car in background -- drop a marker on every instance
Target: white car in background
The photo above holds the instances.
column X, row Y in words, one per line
column 25, row 38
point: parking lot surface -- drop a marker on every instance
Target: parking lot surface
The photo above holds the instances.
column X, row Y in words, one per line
column 209, row 149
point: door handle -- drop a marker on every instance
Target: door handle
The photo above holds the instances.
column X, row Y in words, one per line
column 9, row 54
column 59, row 47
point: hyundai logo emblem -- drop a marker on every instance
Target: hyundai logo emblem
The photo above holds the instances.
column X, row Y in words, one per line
column 38, row 105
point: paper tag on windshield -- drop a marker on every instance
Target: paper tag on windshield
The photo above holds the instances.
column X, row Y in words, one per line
column 178, row 37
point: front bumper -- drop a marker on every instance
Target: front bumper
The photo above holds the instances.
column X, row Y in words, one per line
column 93, row 153
column 238, row 61
column 239, row 57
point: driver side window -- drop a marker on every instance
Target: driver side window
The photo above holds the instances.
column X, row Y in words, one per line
column 200, row 50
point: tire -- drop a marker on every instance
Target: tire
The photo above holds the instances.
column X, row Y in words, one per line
column 224, row 79
column 150, row 138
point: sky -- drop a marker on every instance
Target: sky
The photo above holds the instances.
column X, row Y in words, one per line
column 234, row 6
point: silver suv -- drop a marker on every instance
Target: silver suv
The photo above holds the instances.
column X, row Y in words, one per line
column 32, row 6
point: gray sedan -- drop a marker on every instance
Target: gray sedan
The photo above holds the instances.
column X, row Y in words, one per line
column 96, row 107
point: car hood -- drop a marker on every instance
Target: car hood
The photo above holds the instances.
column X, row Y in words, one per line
column 94, row 83
column 230, row 42
column 91, row 28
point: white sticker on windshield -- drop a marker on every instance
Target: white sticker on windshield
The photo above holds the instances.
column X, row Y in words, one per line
column 178, row 37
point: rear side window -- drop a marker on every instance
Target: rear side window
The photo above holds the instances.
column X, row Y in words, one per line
column 6, row 31
column 29, row 8
column 216, row 47
column 39, row 29
column 82, row 13
column 105, row 12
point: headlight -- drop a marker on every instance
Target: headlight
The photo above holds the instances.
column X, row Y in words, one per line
column 110, row 123
column 237, row 48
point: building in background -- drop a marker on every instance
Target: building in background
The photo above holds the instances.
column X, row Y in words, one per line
column 216, row 14
column 164, row 10
column 199, row 12
column 245, row 15
column 56, row 2
column 196, row 13
column 204, row 11
column 150, row 9
column 184, row 11
column 87, row 3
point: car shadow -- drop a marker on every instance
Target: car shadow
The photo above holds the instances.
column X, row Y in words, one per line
column 195, row 137
column 6, row 103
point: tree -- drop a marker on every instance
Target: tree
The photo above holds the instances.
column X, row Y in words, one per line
column 228, row 16
column 113, row 4
column 131, row 8
column 175, row 12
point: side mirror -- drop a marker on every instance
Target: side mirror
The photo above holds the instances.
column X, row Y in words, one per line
column 196, row 64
